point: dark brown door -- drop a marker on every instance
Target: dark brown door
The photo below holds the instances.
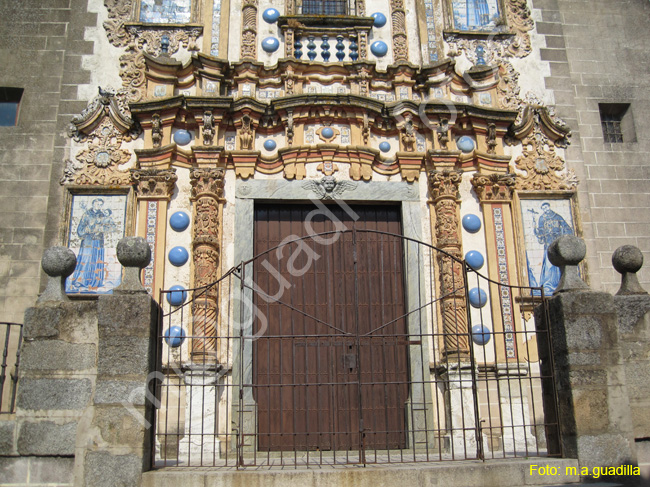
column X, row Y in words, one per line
column 331, row 370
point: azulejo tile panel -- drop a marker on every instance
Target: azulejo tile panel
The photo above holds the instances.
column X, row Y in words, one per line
column 97, row 224
column 166, row 11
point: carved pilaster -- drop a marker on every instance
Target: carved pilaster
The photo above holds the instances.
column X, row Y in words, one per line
column 398, row 16
column 443, row 187
column 494, row 187
column 207, row 196
column 249, row 30
column 154, row 184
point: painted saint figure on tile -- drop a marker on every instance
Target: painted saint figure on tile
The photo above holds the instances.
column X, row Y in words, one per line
column 93, row 237
column 544, row 223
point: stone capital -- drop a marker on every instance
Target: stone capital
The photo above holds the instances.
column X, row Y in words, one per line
column 154, row 184
column 494, row 187
column 445, row 184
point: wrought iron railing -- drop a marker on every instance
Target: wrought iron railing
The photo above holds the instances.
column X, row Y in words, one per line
column 11, row 337
column 363, row 355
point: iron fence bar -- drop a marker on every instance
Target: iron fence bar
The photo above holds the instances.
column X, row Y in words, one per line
column 472, row 361
column 13, row 377
column 376, row 380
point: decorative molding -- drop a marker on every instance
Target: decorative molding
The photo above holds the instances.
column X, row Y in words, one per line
column 494, row 187
column 444, row 190
column 249, row 30
column 154, row 183
column 400, row 45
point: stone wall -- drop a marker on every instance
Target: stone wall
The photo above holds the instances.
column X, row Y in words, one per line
column 598, row 53
column 41, row 48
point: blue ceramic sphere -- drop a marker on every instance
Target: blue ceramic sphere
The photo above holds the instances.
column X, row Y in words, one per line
column 380, row 19
column 182, row 137
column 177, row 296
column 327, row 132
column 471, row 223
column 270, row 145
column 271, row 15
column 481, row 334
column 477, row 297
column 270, row 44
column 384, row 146
column 465, row 143
column 174, row 336
column 474, row 259
column 179, row 221
column 379, row 48
column 178, row 256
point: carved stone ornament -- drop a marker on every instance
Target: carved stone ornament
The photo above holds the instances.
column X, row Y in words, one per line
column 444, row 183
column 154, row 183
column 443, row 133
column 491, row 138
column 494, row 187
column 249, row 30
column 207, row 182
column 328, row 188
column 208, row 127
column 542, row 168
column 101, row 127
column 398, row 17
column 138, row 39
column 246, row 134
column 407, row 135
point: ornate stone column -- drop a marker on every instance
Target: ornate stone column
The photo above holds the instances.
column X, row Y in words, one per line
column 153, row 188
column 443, row 187
column 207, row 196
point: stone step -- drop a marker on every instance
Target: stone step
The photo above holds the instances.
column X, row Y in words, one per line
column 493, row 473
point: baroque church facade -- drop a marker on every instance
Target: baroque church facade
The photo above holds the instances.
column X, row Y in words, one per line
column 480, row 129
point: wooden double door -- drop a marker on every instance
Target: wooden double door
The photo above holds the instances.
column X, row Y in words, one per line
column 330, row 366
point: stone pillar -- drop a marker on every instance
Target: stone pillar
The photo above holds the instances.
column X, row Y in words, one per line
column 207, row 196
column 594, row 411
column 633, row 307
column 57, row 377
column 443, row 187
column 115, row 444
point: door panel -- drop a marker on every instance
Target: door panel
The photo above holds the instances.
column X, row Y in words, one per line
column 333, row 360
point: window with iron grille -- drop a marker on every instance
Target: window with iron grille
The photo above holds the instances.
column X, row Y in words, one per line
column 9, row 103
column 324, row 7
column 616, row 121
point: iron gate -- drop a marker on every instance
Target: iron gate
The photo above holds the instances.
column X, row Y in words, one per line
column 340, row 347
